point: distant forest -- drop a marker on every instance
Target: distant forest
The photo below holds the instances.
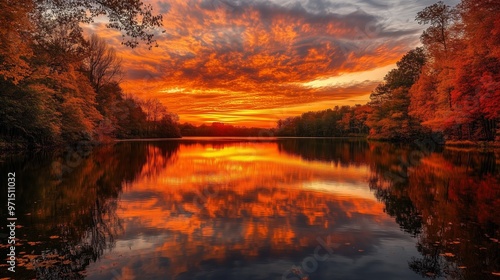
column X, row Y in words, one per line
column 221, row 129
column 58, row 87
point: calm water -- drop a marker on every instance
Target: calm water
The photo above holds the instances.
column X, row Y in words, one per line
column 278, row 209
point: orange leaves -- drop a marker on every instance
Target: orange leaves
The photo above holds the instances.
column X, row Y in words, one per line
column 14, row 50
column 490, row 97
column 460, row 84
column 488, row 196
column 456, row 188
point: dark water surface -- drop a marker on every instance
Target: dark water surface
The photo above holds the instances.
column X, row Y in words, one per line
column 278, row 209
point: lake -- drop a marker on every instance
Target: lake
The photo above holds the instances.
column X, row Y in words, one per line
column 229, row 208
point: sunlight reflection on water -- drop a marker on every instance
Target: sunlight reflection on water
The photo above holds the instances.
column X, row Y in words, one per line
column 201, row 209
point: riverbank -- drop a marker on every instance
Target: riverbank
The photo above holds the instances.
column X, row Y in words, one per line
column 472, row 144
column 20, row 146
column 10, row 147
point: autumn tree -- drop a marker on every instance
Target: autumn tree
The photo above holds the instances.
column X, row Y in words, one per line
column 439, row 16
column 431, row 101
column 361, row 113
column 28, row 116
column 154, row 109
column 132, row 17
column 57, row 46
column 389, row 118
column 79, row 114
column 339, row 121
column 24, row 19
column 50, row 75
column 477, row 91
column 458, row 92
column 161, row 122
column 131, row 119
column 102, row 64
column 15, row 32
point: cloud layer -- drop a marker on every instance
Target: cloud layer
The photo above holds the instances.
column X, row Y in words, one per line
column 252, row 62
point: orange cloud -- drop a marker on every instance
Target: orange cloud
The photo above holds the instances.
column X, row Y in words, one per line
column 247, row 62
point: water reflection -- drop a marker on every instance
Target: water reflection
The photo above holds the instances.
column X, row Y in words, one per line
column 224, row 209
column 449, row 200
column 253, row 210
column 67, row 223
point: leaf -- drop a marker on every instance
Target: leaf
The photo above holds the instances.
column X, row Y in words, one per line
column 447, row 255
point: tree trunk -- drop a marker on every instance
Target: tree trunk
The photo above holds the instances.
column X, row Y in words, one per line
column 497, row 134
column 497, row 140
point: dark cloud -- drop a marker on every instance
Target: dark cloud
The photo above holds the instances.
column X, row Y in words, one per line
column 378, row 4
column 164, row 7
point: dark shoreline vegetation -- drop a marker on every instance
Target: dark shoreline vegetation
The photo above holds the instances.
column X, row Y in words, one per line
column 61, row 89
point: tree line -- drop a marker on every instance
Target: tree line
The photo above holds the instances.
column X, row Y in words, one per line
column 448, row 89
column 59, row 87
column 341, row 121
column 222, row 129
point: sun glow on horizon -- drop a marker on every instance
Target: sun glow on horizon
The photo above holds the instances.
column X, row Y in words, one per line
column 350, row 78
column 251, row 63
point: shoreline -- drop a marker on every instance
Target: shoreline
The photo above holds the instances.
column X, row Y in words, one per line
column 472, row 144
column 6, row 147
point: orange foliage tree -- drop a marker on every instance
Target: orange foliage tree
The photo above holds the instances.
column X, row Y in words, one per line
column 458, row 92
column 390, row 100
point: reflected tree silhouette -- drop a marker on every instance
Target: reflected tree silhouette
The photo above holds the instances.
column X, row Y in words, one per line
column 447, row 200
column 342, row 151
column 73, row 220
column 402, row 209
column 430, row 265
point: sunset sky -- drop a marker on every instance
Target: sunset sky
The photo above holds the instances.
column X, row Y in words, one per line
column 254, row 62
